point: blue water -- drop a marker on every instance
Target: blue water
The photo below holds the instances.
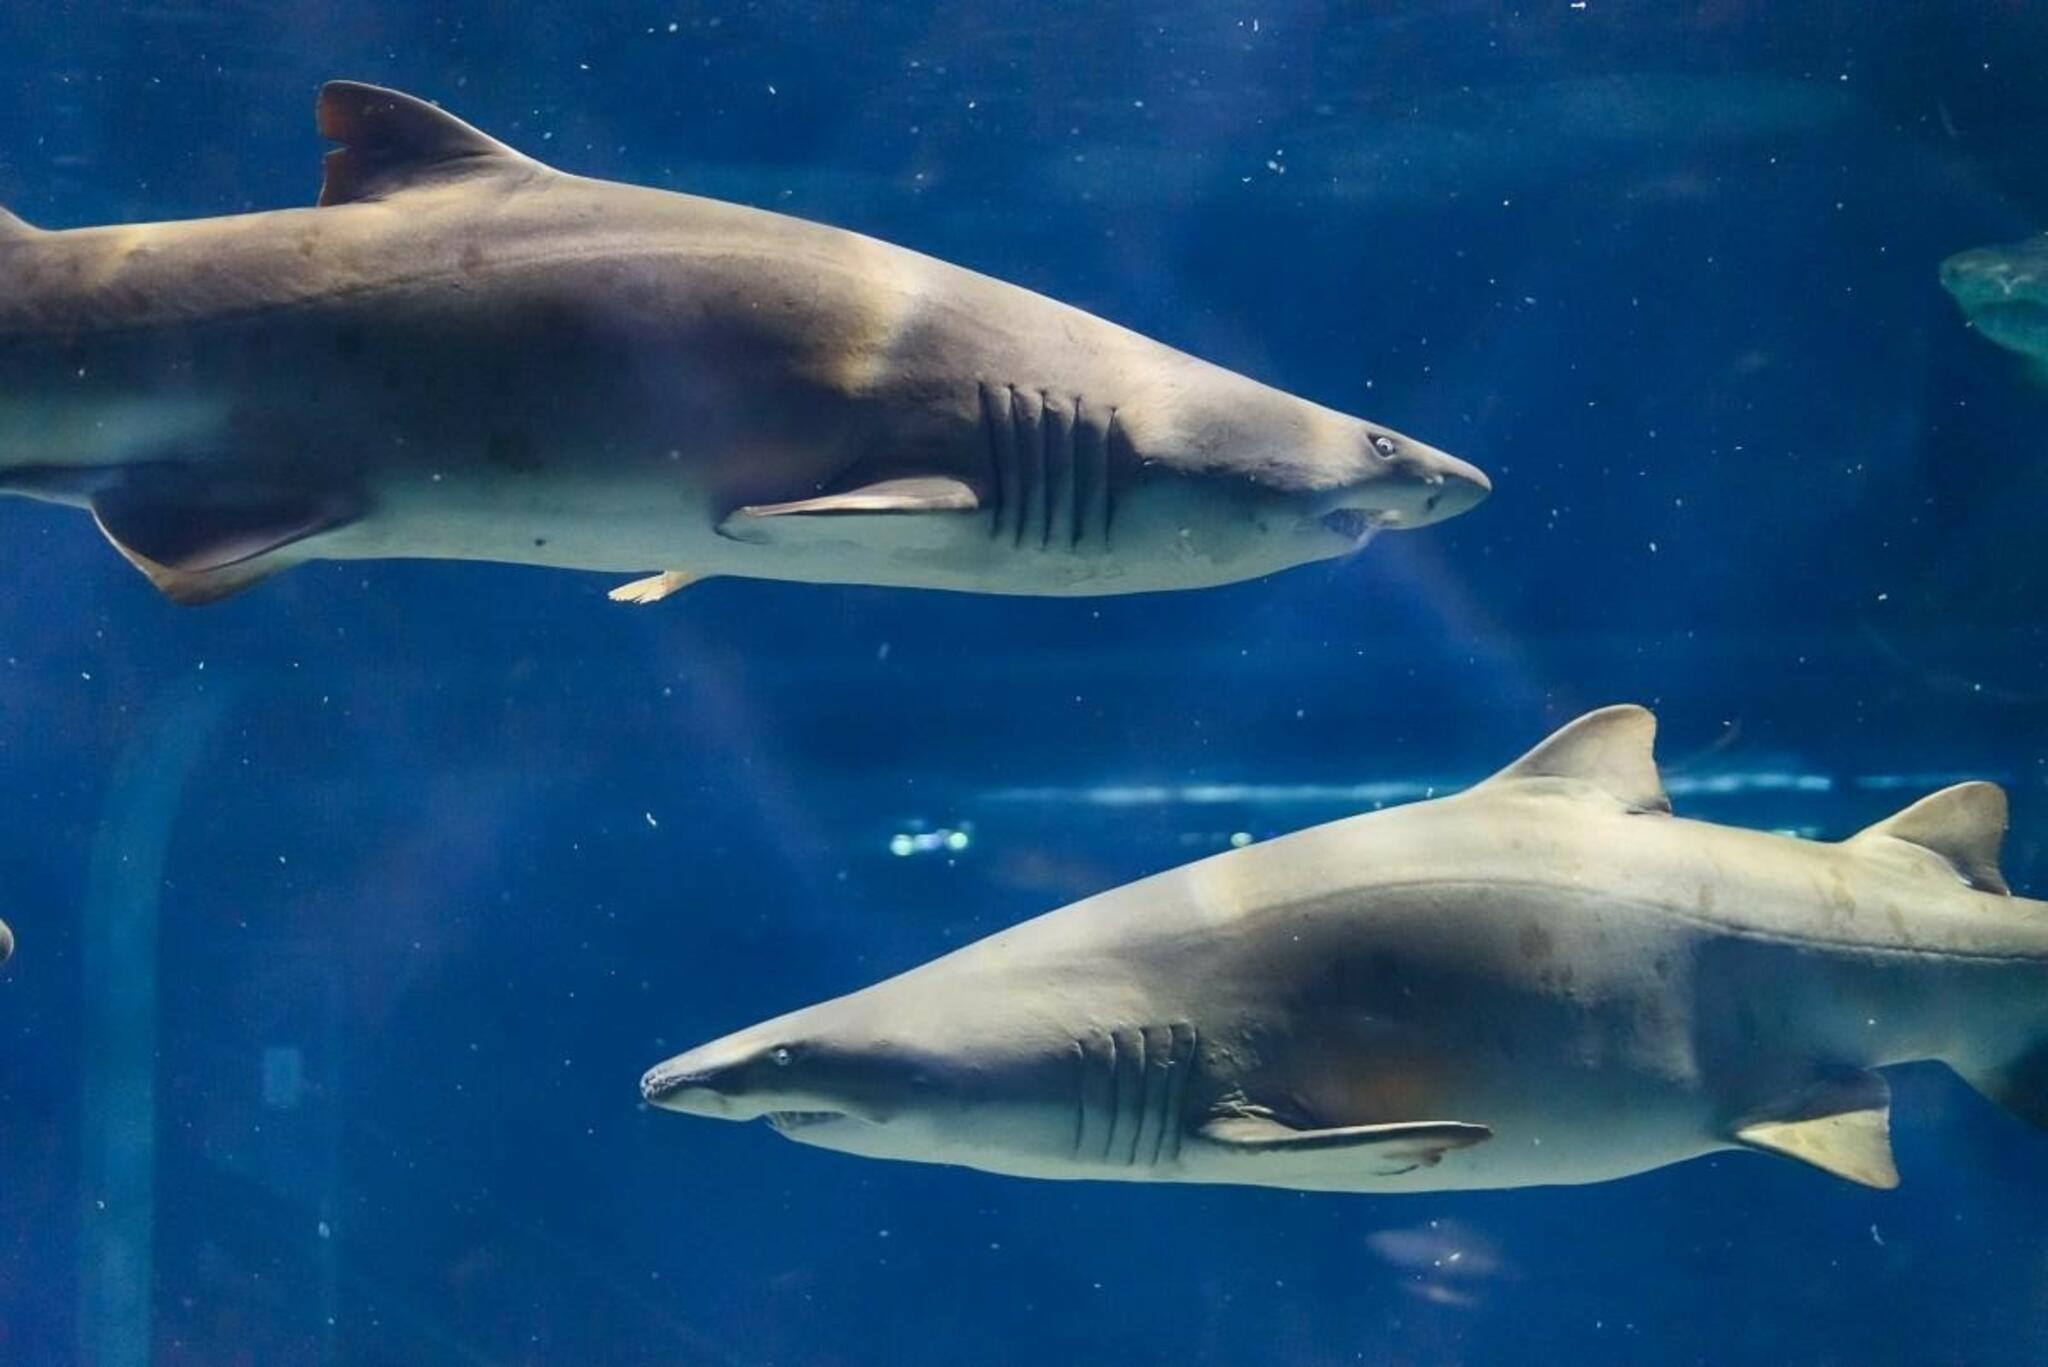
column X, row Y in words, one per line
column 351, row 909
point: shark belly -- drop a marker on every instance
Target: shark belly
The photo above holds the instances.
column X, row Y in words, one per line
column 538, row 422
column 1566, row 1026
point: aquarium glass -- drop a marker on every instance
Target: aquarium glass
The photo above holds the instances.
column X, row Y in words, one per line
column 351, row 908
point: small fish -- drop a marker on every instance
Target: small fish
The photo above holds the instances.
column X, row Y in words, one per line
column 1547, row 978
column 463, row 353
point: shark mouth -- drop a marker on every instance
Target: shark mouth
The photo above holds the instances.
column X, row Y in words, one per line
column 785, row 1121
column 2012, row 316
column 1358, row 525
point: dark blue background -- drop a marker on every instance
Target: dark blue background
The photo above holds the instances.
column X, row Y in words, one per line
column 1671, row 280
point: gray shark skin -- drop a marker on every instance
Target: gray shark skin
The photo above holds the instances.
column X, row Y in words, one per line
column 2003, row 291
column 463, row 353
column 1547, row 978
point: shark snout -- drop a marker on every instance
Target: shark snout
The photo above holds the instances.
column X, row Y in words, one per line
column 1977, row 269
column 689, row 1091
column 722, row 1079
column 2003, row 291
column 1456, row 486
column 768, row 1072
column 1988, row 275
column 1403, row 483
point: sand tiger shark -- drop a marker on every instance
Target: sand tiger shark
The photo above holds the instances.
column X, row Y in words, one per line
column 464, row 353
column 2003, row 291
column 1546, row 978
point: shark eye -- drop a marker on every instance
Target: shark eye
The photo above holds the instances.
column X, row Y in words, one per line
column 780, row 1053
column 1385, row 446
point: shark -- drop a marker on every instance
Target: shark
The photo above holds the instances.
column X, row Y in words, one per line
column 1545, row 979
column 2003, row 291
column 462, row 353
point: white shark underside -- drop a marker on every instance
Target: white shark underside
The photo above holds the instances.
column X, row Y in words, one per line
column 1545, row 979
column 464, row 353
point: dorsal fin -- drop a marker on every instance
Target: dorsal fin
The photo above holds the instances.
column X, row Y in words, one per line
column 1964, row 825
column 1610, row 749
column 391, row 142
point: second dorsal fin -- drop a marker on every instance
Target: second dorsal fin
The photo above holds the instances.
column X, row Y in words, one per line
column 1610, row 749
column 1964, row 825
column 392, row 142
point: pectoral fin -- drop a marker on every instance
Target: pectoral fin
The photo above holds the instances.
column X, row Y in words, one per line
column 654, row 587
column 200, row 539
column 891, row 498
column 1841, row 1127
column 193, row 588
column 1396, row 1148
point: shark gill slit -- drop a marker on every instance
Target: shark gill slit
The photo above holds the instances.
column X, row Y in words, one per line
column 1070, row 507
column 1152, row 1101
column 1144, row 1134
column 1180, row 1064
column 1051, row 470
column 999, row 461
column 1090, row 455
column 1007, row 432
column 1048, row 461
column 1080, row 1052
column 1036, row 487
column 1120, row 1057
column 1130, row 1093
column 1098, row 1094
column 1116, row 1095
column 1131, row 1079
column 1105, row 502
column 1056, row 430
column 1022, row 445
